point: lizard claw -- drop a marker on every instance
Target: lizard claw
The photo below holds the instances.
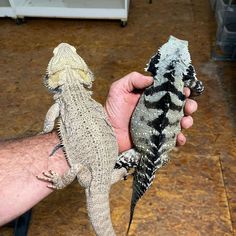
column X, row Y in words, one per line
column 127, row 175
column 51, row 186
column 52, row 177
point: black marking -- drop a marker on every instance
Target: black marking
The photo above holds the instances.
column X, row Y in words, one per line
column 152, row 68
column 175, row 107
column 126, row 164
column 158, row 140
column 163, row 104
column 159, row 123
column 147, row 165
column 190, row 74
column 171, row 66
column 170, row 76
column 167, row 86
column 160, row 104
column 149, row 171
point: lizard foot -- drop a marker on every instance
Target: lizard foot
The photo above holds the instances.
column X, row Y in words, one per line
column 119, row 174
column 54, row 178
column 127, row 175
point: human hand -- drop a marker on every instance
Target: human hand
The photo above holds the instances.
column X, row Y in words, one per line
column 121, row 102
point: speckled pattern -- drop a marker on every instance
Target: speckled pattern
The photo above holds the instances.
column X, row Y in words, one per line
column 195, row 193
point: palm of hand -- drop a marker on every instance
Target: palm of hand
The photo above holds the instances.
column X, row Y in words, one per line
column 119, row 112
column 120, row 104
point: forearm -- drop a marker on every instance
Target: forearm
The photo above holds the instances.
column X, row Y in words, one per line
column 20, row 162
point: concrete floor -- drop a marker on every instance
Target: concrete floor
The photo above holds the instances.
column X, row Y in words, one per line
column 195, row 193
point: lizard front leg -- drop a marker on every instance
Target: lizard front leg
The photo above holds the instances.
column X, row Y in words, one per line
column 59, row 182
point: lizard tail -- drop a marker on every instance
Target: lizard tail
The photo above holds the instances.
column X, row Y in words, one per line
column 142, row 181
column 137, row 193
column 132, row 207
column 99, row 213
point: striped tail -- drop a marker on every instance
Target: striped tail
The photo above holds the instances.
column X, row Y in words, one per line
column 143, row 179
column 99, row 213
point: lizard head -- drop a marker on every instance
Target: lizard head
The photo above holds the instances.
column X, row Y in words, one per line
column 183, row 59
column 173, row 60
column 66, row 63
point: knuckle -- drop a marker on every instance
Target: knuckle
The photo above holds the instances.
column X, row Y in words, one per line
column 114, row 87
column 134, row 74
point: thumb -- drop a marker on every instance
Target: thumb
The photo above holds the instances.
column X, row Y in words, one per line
column 136, row 80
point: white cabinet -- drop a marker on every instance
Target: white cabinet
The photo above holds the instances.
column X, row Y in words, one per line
column 6, row 10
column 92, row 9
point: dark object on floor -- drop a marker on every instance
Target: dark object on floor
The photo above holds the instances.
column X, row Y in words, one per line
column 21, row 224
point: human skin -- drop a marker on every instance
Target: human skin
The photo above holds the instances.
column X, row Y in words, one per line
column 22, row 160
column 120, row 110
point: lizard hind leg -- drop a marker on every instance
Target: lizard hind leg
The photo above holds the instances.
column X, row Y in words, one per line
column 60, row 182
column 119, row 174
column 128, row 159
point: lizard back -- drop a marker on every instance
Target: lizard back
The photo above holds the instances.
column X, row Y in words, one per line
column 86, row 136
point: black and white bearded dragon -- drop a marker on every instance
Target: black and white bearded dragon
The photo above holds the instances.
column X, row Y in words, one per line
column 155, row 122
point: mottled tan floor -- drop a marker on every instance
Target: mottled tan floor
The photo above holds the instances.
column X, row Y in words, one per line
column 195, row 194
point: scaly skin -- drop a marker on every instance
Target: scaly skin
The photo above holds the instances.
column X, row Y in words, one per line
column 87, row 138
column 155, row 121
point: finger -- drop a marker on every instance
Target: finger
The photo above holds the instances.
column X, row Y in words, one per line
column 187, row 92
column 186, row 122
column 136, row 80
column 190, row 106
column 181, row 139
